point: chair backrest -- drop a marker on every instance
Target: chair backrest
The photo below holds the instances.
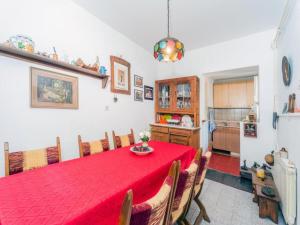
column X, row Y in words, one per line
column 202, row 171
column 153, row 211
column 17, row 162
column 123, row 140
column 184, row 189
column 93, row 147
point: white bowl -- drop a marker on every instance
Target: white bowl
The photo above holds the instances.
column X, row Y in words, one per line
column 132, row 149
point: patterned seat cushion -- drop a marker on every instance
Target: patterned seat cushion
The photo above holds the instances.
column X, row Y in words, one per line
column 93, row 147
column 153, row 211
column 183, row 190
column 28, row 160
column 125, row 140
column 202, row 171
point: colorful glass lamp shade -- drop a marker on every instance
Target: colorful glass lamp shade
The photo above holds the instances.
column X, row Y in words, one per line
column 168, row 49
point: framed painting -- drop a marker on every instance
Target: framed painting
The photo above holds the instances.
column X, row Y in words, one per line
column 138, row 81
column 148, row 92
column 138, row 95
column 120, row 75
column 53, row 90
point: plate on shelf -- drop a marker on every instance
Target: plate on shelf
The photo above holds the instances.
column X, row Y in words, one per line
column 139, row 150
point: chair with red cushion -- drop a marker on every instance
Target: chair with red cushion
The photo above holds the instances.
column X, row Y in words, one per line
column 184, row 191
column 20, row 161
column 199, row 185
column 123, row 140
column 154, row 211
column 93, row 147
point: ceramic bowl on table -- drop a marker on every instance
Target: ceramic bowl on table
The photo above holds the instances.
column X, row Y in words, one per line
column 139, row 150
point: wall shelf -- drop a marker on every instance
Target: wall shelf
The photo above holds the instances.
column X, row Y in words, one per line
column 289, row 115
column 26, row 56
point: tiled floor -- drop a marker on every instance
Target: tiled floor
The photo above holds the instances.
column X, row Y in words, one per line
column 225, row 163
column 228, row 206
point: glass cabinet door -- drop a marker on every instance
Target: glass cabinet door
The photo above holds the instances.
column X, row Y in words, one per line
column 164, row 100
column 183, row 96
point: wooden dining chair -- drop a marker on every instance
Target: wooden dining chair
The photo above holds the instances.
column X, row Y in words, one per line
column 198, row 188
column 20, row 161
column 93, row 147
column 123, row 140
column 184, row 191
column 154, row 210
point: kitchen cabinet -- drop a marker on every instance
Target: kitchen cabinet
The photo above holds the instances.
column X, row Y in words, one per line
column 234, row 94
column 221, row 95
column 227, row 138
column 182, row 136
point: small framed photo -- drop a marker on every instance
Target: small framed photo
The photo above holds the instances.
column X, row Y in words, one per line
column 138, row 95
column 53, row 90
column 138, row 81
column 148, row 92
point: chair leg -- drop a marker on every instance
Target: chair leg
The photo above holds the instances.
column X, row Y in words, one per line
column 202, row 210
column 199, row 219
column 186, row 222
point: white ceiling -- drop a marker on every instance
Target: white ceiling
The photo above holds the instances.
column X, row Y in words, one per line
column 196, row 23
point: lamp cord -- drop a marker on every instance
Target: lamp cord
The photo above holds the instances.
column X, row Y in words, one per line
column 168, row 18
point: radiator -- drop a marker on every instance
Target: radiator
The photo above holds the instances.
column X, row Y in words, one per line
column 284, row 173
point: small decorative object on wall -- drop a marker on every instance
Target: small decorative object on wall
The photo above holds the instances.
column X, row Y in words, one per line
column 250, row 130
column 138, row 95
column 148, row 92
column 286, row 71
column 53, row 90
column 138, row 81
column 95, row 67
column 120, row 75
column 292, row 100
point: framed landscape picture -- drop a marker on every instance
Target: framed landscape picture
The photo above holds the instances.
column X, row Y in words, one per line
column 138, row 95
column 120, row 75
column 148, row 92
column 138, row 81
column 53, row 90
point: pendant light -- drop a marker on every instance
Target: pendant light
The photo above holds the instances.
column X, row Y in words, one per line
column 168, row 49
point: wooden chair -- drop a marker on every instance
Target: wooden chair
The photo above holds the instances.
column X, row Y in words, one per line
column 17, row 162
column 123, row 140
column 154, row 210
column 93, row 147
column 184, row 192
column 198, row 187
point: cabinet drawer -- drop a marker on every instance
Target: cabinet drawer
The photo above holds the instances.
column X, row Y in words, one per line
column 157, row 136
column 160, row 129
column 180, row 132
column 182, row 140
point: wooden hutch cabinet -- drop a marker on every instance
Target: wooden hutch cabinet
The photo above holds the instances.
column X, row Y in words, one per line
column 176, row 98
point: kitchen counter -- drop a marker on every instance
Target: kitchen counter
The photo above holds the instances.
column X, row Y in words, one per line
column 175, row 126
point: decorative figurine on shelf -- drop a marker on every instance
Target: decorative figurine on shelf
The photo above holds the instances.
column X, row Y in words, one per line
column 244, row 166
column 103, row 70
column 266, row 168
column 95, row 67
column 54, row 55
column 145, row 137
column 21, row 42
column 255, row 166
column 269, row 158
column 260, row 173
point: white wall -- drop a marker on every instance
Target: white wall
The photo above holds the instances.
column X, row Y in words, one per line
column 289, row 127
column 75, row 32
column 253, row 50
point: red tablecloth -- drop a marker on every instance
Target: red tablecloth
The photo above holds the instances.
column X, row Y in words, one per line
column 89, row 190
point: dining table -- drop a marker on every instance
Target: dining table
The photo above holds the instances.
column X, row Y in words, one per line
column 88, row 190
